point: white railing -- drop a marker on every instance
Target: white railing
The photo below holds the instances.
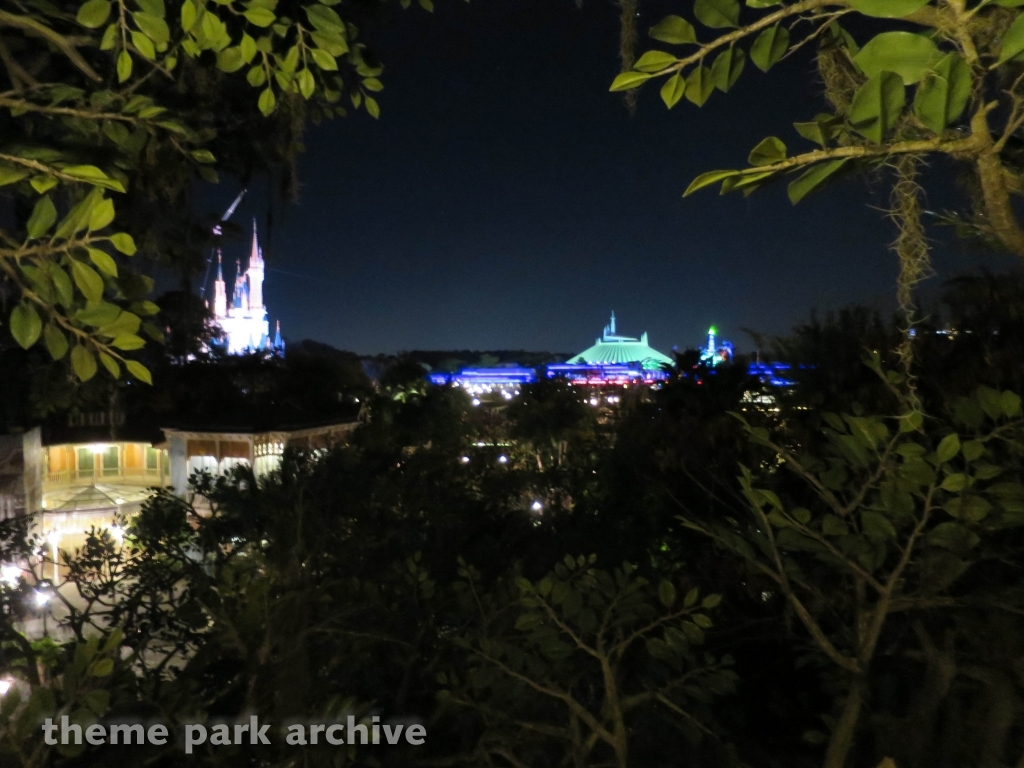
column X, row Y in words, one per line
column 91, row 475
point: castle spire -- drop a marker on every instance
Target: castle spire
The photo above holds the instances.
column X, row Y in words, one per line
column 220, row 299
column 255, row 253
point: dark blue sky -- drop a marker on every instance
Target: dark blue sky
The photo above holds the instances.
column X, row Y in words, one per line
column 506, row 200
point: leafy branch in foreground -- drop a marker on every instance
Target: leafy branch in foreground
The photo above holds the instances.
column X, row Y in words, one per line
column 107, row 98
column 885, row 521
column 952, row 87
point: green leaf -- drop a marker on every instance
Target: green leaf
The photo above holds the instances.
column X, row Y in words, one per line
column 25, row 325
column 154, row 27
column 139, row 371
column 1010, row 402
column 727, row 68
column 261, row 17
column 702, row 621
column 908, row 55
column 819, row 130
column 87, row 280
column 102, row 668
column 324, row 60
column 953, row 536
column 673, row 89
column 334, row 44
column 691, row 598
column 124, row 66
column 103, row 261
column 711, row 601
column 813, row 179
column 674, row 30
column 101, row 215
column 768, row 152
column 62, row 284
column 877, row 105
column 128, row 342
column 43, row 215
column 83, row 363
column 123, row 242
column 628, row 80
column 143, row 45
column 93, row 13
column 203, row 156
column 230, row 59
column 9, row 174
column 717, row 14
column 324, row 19
column 948, row 448
column 707, row 179
column 954, row 483
column 307, row 84
column 109, row 38
column 98, row 313
column 834, row 526
column 654, row 61
column 667, row 593
column 188, row 15
column 876, row 525
column 942, row 95
column 888, row 9
column 90, row 174
column 257, row 76
column 699, row 86
column 267, row 101
column 372, row 107
column 771, row 45
column 111, row 365
column 56, row 341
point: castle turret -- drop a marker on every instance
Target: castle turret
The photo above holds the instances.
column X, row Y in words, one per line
column 240, row 298
column 255, row 272
column 220, row 296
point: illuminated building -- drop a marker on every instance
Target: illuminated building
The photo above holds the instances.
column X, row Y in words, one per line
column 613, row 349
column 613, row 360
column 244, row 319
column 715, row 352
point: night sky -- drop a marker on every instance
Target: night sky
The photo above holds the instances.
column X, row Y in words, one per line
column 506, row 200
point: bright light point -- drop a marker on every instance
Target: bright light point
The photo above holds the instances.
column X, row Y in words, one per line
column 98, row 447
column 119, row 501
column 712, row 330
column 9, row 574
column 464, row 459
column 53, row 537
column 536, row 506
column 476, row 401
column 41, row 599
column 593, row 401
column 5, row 686
column 116, row 532
column 503, row 459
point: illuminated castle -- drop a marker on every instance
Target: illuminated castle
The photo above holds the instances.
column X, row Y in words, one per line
column 244, row 320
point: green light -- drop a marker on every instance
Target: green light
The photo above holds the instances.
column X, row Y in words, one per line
column 713, row 330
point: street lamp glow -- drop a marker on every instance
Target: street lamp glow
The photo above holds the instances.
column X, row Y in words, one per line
column 41, row 598
column 503, row 459
column 5, row 686
column 9, row 574
column 536, row 506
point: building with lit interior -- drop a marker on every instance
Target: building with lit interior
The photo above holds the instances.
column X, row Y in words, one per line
column 243, row 320
column 80, row 478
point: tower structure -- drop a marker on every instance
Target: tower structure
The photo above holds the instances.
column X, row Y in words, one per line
column 244, row 319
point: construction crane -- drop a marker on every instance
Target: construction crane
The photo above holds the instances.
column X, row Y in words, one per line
column 218, row 230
